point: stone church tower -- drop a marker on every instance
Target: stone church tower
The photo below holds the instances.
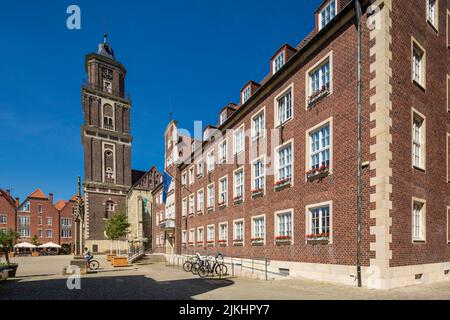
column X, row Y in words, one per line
column 107, row 142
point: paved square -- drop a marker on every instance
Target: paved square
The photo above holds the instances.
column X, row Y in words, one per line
column 41, row 278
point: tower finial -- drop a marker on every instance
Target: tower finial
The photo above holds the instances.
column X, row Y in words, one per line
column 105, row 38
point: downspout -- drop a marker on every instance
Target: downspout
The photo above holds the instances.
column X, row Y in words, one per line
column 358, row 14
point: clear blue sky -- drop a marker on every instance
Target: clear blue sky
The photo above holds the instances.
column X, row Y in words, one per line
column 185, row 57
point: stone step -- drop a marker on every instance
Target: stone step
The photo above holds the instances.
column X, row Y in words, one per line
column 153, row 258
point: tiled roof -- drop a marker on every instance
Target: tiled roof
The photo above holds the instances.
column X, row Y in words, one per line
column 38, row 194
column 8, row 197
column 60, row 205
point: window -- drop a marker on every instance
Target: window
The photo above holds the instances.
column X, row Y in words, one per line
column 223, row 117
column 66, row 222
column 448, row 157
column 25, row 207
column 3, row 230
column 40, row 209
column 49, row 233
column 191, row 236
column 246, row 94
column 184, row 179
column 191, row 175
column 320, row 148
column 284, row 224
column 211, row 233
column 184, row 237
column 319, row 220
column 258, row 174
column 109, row 206
column 238, row 230
column 200, row 201
column 211, row 200
column 284, row 162
column 108, row 117
column 432, row 13
column 418, row 141
column 49, row 221
column 278, row 62
column 418, row 64
column 40, row 221
column 185, row 207
column 258, row 126
column 191, row 204
column 66, row 227
column 3, row 219
column 40, row 234
column 223, row 232
column 258, row 228
column 223, row 152
column 239, row 184
column 210, row 161
column 200, row 168
column 239, row 140
column 418, row 220
column 200, row 237
column 284, row 108
column 319, row 81
column 66, row 233
column 107, row 86
column 327, row 14
column 223, row 194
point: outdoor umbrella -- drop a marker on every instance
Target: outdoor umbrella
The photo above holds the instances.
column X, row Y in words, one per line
column 50, row 245
column 25, row 245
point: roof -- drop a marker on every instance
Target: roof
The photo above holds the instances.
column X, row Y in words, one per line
column 104, row 49
column 38, row 194
column 8, row 197
column 60, row 205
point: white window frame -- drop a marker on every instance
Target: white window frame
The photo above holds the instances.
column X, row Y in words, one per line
column 277, row 225
column 323, row 21
column 223, row 158
column 433, row 16
column 220, row 232
column 200, row 200
column 279, row 61
column 184, row 236
column 277, row 160
column 200, row 168
column 198, row 240
column 208, row 228
column 235, row 185
column 418, row 144
column 419, row 79
column 254, row 235
column 246, row 93
column 322, row 148
column 209, row 204
column 320, row 125
column 282, row 95
column 235, row 222
column 184, row 179
column 223, row 117
column 191, row 175
column 261, row 133
column 191, row 239
column 191, row 203
column 225, row 203
column 308, row 222
column 237, row 151
column 210, row 161
column 3, row 218
column 184, row 207
column 47, row 233
column 418, row 222
column 262, row 159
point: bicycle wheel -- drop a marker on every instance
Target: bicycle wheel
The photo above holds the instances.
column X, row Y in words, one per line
column 187, row 266
column 203, row 271
column 94, row 265
column 194, row 268
column 221, row 270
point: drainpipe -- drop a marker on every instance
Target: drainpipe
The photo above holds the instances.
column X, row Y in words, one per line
column 358, row 14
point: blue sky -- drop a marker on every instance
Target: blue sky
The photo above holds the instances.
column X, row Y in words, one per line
column 185, row 57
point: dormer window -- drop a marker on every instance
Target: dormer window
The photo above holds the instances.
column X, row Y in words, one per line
column 246, row 94
column 25, row 207
column 327, row 14
column 223, row 117
column 278, row 62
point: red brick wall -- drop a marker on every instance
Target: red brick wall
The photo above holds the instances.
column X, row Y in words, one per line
column 67, row 212
column 340, row 187
column 9, row 210
column 407, row 182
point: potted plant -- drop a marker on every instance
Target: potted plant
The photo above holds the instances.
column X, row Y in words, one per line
column 116, row 229
column 7, row 241
column 280, row 184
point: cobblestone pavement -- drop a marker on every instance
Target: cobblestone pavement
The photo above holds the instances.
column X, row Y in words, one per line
column 41, row 278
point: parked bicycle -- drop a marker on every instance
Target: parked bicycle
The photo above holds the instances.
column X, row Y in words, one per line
column 213, row 265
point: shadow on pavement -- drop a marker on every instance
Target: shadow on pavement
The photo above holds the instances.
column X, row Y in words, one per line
column 110, row 288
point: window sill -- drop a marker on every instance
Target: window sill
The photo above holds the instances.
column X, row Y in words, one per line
column 319, row 96
column 238, row 243
column 419, row 85
column 222, row 206
column 283, row 185
column 435, row 29
column 417, row 241
column 257, row 194
column 284, row 242
column 317, row 175
column 419, row 169
column 238, row 201
column 278, row 126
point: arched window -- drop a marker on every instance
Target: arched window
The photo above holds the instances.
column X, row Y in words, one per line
column 109, row 208
column 108, row 117
column 108, row 160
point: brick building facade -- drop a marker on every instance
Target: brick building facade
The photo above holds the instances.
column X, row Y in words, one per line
column 8, row 211
column 278, row 177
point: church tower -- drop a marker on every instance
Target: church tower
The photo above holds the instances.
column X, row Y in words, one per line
column 107, row 142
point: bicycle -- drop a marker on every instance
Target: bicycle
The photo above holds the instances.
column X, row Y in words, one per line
column 217, row 267
column 93, row 264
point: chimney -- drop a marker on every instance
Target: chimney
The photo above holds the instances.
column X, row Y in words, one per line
column 17, row 202
column 50, row 197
